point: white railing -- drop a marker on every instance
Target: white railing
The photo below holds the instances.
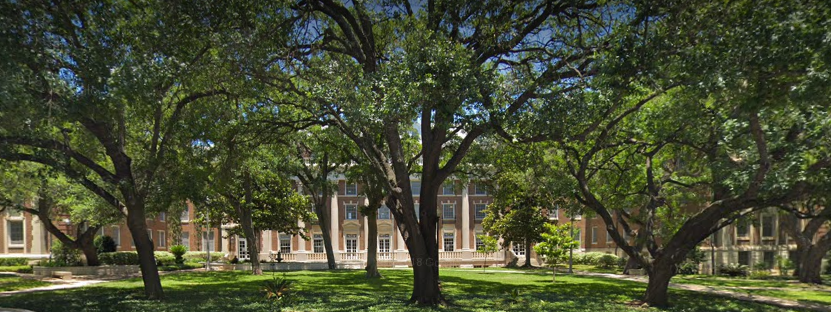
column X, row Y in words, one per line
column 450, row 255
column 288, row 257
column 321, row 257
column 481, row 255
column 384, row 256
column 352, row 256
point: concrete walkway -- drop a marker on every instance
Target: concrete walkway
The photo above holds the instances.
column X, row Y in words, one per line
column 58, row 286
column 790, row 304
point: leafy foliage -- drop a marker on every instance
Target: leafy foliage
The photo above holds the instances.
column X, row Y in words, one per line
column 119, row 258
column 63, row 255
column 105, row 244
column 733, row 270
column 178, row 252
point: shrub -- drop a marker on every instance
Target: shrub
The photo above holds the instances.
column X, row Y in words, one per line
column 119, row 258
column 13, row 261
column 105, row 244
column 65, row 255
column 827, row 268
column 759, row 274
column 164, row 258
column 277, row 290
column 733, row 270
column 784, row 264
column 176, row 267
column 178, row 251
column 607, row 261
column 16, row 268
column 234, row 260
column 761, row 266
column 621, row 262
column 588, row 258
column 202, row 256
column 688, row 268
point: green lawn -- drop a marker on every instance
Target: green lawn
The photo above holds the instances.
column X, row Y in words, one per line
column 467, row 290
column 779, row 287
column 12, row 282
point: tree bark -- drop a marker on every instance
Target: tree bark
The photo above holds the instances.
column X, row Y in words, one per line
column 527, row 253
column 424, row 252
column 144, row 247
column 87, row 246
column 657, row 288
column 323, row 218
column 811, row 267
column 372, row 248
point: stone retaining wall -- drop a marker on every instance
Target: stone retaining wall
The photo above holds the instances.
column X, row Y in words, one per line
column 118, row 270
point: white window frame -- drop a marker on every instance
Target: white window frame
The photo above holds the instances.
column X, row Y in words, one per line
column 116, row 230
column 184, row 239
column 162, row 239
column 162, row 216
column 317, row 243
column 519, row 248
column 384, row 213
column 448, row 239
column 351, row 189
column 444, row 211
column 22, row 242
column 477, row 242
column 384, row 243
column 185, row 216
column 477, row 210
column 609, row 237
column 763, row 227
column 594, row 235
column 285, row 248
column 346, row 209
column 578, row 235
column 747, row 229
column 242, row 248
column 448, row 188
column 350, row 239
column 478, row 189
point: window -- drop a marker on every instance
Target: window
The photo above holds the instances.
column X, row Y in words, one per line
column 317, row 243
column 448, row 211
column 594, row 235
column 553, row 213
column 15, row 233
column 769, row 259
column 351, row 212
column 184, row 240
column 742, row 229
column 449, row 241
column 242, row 248
column 117, row 235
column 577, row 236
column 608, row 237
column 415, row 187
column 384, row 246
column 185, row 213
column 352, row 243
column 162, row 216
column 285, row 243
column 479, row 210
column 744, row 257
column 448, row 189
column 519, row 249
column 417, row 211
column 208, row 240
column 479, row 189
column 351, row 189
column 384, row 213
column 768, row 224
column 479, row 243
column 162, row 239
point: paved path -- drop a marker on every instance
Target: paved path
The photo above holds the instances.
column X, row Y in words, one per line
column 790, row 304
column 68, row 285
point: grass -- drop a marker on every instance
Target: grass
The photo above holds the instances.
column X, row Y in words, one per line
column 784, row 287
column 13, row 282
column 16, row 268
column 467, row 290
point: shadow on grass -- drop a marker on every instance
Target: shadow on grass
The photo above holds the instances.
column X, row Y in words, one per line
column 351, row 291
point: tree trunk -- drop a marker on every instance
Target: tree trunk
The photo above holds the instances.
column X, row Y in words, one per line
column 323, row 220
column 87, row 246
column 424, row 253
column 144, row 247
column 527, row 253
column 252, row 236
column 656, row 291
column 631, row 263
column 372, row 248
column 811, row 266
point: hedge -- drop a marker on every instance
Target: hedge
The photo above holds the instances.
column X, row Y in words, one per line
column 163, row 258
column 119, row 258
column 202, row 256
column 13, row 261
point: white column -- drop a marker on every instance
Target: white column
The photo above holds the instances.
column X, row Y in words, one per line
column 366, row 227
column 400, row 240
column 267, row 240
column 465, row 220
column 38, row 238
column 334, row 233
column 300, row 241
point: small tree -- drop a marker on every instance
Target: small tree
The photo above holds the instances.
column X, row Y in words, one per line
column 489, row 245
column 555, row 244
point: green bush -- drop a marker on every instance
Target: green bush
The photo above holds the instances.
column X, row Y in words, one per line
column 761, row 266
column 119, row 258
column 13, row 261
column 183, row 266
column 105, row 244
column 164, row 258
column 827, row 268
column 588, row 258
column 733, row 270
column 64, row 255
column 784, row 264
column 178, row 251
column 202, row 256
column 16, row 268
column 688, row 268
column 607, row 261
